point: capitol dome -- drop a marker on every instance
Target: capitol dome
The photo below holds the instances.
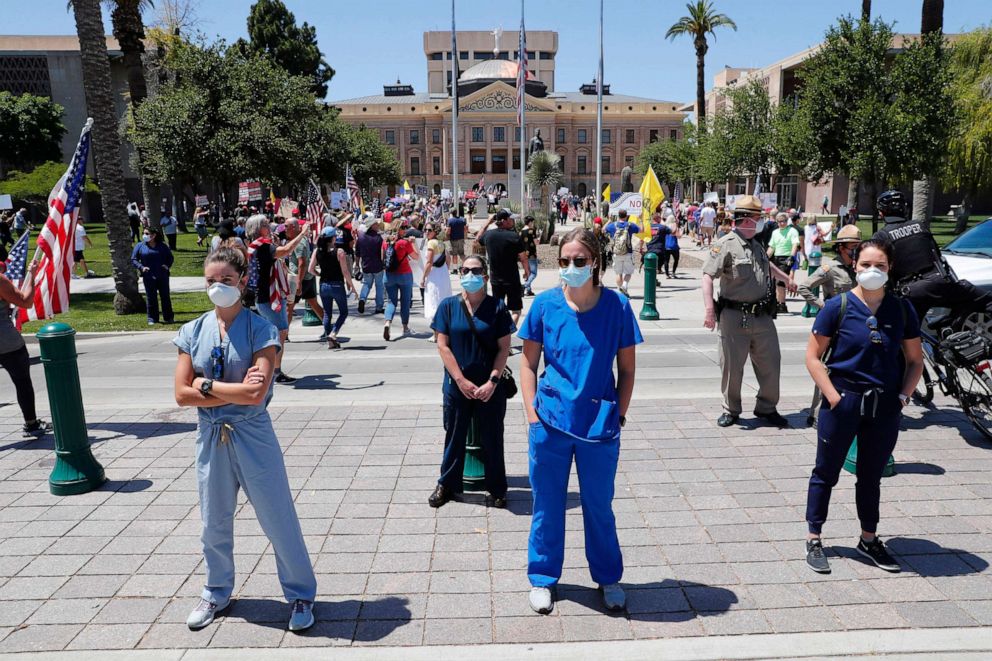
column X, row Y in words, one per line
column 490, row 70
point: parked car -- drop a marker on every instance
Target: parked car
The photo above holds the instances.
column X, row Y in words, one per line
column 970, row 256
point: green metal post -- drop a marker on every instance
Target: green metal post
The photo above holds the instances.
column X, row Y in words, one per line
column 851, row 462
column 309, row 318
column 76, row 470
column 812, row 265
column 649, row 312
column 474, row 473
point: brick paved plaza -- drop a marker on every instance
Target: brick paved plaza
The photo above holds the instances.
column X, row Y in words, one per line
column 711, row 524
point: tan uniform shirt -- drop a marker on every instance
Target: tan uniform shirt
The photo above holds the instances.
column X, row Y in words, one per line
column 833, row 279
column 741, row 266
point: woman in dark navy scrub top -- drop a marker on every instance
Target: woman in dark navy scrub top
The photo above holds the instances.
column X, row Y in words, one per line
column 875, row 360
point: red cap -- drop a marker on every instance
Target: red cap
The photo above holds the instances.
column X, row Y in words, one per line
column 387, row 217
column 598, row 220
column 296, row 212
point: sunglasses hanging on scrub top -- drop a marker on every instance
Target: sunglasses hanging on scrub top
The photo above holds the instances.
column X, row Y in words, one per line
column 874, row 335
column 580, row 262
column 216, row 363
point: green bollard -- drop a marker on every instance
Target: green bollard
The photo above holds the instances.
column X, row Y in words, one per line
column 851, row 462
column 649, row 311
column 309, row 318
column 76, row 470
column 812, row 310
column 474, row 473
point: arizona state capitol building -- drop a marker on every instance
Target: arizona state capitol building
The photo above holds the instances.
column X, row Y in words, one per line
column 417, row 125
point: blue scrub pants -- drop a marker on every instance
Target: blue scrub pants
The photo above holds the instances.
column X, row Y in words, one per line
column 458, row 414
column 873, row 417
column 156, row 287
column 551, row 454
column 533, row 263
column 250, row 459
column 399, row 286
column 367, row 281
column 334, row 293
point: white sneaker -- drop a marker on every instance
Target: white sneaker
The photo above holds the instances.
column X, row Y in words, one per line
column 541, row 600
column 613, row 597
column 203, row 614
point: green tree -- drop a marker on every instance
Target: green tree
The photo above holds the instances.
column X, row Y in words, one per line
column 701, row 21
column 370, row 158
column 968, row 167
column 544, row 174
column 34, row 186
column 31, row 130
column 672, row 160
column 273, row 33
column 107, row 151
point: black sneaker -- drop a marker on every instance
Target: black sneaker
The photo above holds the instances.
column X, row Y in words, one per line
column 361, row 307
column 499, row 502
column 815, row 557
column 773, row 418
column 439, row 497
column 727, row 419
column 875, row 551
column 285, row 378
column 36, row 427
column 810, row 421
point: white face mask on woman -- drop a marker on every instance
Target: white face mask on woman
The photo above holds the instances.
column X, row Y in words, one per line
column 872, row 278
column 223, row 296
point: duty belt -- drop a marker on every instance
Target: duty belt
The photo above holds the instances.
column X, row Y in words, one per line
column 755, row 309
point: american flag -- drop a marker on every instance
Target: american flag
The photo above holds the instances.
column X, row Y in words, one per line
column 17, row 261
column 314, row 205
column 354, row 192
column 677, row 195
column 757, row 186
column 55, row 243
column 521, row 72
column 482, row 184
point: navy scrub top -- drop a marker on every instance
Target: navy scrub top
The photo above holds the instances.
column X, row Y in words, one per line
column 492, row 321
column 855, row 357
column 577, row 393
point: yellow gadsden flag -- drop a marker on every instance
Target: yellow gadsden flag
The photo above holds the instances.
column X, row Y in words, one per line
column 406, row 187
column 607, row 193
column 651, row 196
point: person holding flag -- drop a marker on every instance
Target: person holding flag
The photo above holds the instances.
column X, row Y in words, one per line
column 13, row 352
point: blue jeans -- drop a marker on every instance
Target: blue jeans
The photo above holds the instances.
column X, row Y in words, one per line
column 551, row 454
column 533, row 273
column 367, row 280
column 331, row 293
column 154, row 288
column 399, row 286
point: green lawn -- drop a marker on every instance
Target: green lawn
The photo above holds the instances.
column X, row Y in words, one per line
column 941, row 226
column 189, row 257
column 95, row 313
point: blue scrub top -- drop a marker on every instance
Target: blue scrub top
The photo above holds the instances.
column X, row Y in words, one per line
column 577, row 393
column 855, row 357
column 248, row 335
column 492, row 321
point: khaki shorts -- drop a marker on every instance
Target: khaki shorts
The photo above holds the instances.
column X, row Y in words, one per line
column 623, row 264
column 457, row 247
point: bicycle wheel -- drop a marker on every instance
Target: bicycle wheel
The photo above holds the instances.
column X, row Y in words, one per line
column 924, row 389
column 975, row 396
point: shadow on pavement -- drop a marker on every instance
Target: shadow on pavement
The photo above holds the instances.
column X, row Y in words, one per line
column 917, row 468
column 930, row 559
column 125, row 486
column 142, row 430
column 327, row 382
column 334, row 619
column 661, row 601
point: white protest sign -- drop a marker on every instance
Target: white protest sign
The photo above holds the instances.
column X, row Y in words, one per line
column 768, row 200
column 201, row 201
column 6, row 202
column 339, row 199
column 731, row 203
column 712, row 196
column 563, row 191
column 629, row 202
column 445, row 193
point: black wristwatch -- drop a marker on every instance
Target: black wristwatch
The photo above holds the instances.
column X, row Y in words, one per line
column 623, row 420
column 206, row 386
column 494, row 380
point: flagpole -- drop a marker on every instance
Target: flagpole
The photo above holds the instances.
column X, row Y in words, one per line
column 599, row 115
column 454, row 114
column 522, row 43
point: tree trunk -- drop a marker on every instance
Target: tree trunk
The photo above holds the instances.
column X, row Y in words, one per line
column 964, row 213
column 107, row 151
column 933, row 16
column 866, row 10
column 852, row 193
column 700, row 90
column 925, row 188
column 873, row 193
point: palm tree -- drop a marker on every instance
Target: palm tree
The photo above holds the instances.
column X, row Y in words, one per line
column 702, row 20
column 107, row 150
column 544, row 174
column 865, row 10
column 932, row 22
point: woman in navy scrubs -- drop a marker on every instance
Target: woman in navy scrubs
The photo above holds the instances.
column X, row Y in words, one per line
column 575, row 409
column 874, row 362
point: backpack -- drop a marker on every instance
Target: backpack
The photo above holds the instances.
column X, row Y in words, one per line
column 391, row 261
column 621, row 240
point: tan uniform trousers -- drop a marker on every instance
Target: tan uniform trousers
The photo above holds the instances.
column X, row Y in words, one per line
column 759, row 341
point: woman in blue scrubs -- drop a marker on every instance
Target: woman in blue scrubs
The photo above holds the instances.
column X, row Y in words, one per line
column 576, row 410
column 874, row 359
column 226, row 359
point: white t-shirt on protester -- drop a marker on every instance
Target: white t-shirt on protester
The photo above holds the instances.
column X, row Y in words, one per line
column 707, row 217
column 80, row 238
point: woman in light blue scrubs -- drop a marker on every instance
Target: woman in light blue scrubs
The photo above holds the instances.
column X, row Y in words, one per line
column 575, row 409
column 226, row 359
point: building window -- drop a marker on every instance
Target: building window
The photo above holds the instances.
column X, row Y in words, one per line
column 477, row 134
column 628, row 161
column 673, row 135
column 504, row 55
column 447, row 54
column 414, row 165
column 628, row 136
column 437, row 56
column 516, row 134
column 516, row 159
column 449, row 76
column 740, row 186
column 545, row 55
column 653, row 135
column 582, row 137
column 561, row 136
column 581, row 169
column 499, row 163
column 478, row 162
column 483, row 55
column 499, row 134
column 436, row 165
column 607, row 136
column 606, row 164
column 390, row 137
column 436, row 136
column 463, row 55
column 414, row 137
column 561, row 163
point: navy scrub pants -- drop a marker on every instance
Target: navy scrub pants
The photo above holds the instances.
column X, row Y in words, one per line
column 551, row 453
column 458, row 414
column 156, row 287
column 873, row 417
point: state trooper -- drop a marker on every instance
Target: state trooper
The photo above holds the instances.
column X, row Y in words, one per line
column 919, row 272
column 745, row 311
column 833, row 279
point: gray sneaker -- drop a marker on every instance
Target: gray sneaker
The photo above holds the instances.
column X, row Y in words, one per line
column 302, row 617
column 815, row 557
column 203, row 614
column 541, row 600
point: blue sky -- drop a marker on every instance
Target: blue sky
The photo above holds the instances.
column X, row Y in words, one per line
column 377, row 41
